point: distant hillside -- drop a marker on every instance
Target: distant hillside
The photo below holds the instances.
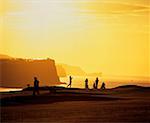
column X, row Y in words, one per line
column 61, row 71
column 5, row 56
column 64, row 70
column 70, row 70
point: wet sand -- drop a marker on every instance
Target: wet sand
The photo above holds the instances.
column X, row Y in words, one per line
column 123, row 104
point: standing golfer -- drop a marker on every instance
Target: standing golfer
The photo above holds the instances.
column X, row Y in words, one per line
column 70, row 81
column 36, row 86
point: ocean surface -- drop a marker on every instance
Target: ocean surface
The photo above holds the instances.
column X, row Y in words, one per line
column 6, row 89
column 110, row 81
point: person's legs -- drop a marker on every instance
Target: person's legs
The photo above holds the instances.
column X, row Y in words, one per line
column 96, row 85
column 69, row 85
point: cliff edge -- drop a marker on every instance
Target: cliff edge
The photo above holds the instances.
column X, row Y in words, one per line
column 20, row 72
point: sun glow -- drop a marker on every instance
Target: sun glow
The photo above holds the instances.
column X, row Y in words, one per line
column 108, row 36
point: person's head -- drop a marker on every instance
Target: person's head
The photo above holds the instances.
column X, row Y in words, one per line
column 35, row 78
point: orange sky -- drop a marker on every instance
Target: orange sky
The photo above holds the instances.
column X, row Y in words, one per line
column 110, row 36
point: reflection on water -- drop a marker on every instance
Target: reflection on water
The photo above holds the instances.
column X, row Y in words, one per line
column 3, row 89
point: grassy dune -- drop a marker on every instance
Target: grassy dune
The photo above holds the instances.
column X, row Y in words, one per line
column 121, row 104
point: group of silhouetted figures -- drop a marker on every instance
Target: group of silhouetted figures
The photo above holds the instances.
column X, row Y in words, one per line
column 95, row 85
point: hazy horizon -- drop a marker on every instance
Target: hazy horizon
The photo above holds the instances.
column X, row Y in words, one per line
column 108, row 36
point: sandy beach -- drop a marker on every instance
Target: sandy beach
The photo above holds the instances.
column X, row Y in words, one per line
column 122, row 104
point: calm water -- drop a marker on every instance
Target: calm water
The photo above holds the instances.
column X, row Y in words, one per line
column 110, row 81
column 2, row 89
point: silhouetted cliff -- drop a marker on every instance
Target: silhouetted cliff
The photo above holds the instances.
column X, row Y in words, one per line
column 61, row 71
column 20, row 72
column 64, row 70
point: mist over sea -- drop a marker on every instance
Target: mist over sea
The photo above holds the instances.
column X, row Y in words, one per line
column 110, row 81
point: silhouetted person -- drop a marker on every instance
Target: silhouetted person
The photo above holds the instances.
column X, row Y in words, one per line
column 86, row 84
column 103, row 86
column 94, row 87
column 70, row 81
column 36, row 86
column 96, row 83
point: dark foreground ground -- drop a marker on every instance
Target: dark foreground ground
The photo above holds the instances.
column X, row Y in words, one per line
column 122, row 104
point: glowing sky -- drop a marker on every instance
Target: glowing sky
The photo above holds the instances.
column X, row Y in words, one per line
column 110, row 36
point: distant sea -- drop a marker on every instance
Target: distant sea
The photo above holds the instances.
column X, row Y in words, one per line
column 6, row 89
column 110, row 81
